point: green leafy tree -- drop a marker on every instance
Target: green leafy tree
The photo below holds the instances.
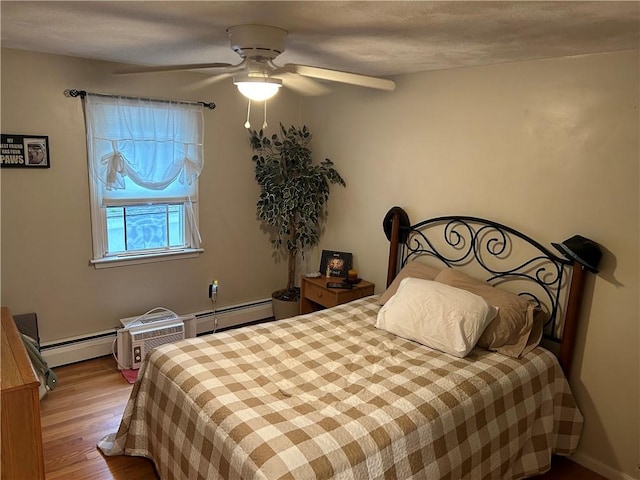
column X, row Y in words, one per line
column 293, row 192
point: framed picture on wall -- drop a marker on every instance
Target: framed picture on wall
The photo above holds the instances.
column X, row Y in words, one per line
column 335, row 264
column 24, row 151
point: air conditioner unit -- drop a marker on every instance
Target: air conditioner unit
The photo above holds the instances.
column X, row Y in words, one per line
column 139, row 335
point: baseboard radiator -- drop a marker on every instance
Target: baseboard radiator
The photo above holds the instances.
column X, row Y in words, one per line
column 85, row 347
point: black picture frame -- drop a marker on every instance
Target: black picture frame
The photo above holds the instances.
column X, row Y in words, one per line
column 335, row 264
column 24, row 151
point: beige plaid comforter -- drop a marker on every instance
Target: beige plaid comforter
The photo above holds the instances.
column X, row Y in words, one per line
column 327, row 395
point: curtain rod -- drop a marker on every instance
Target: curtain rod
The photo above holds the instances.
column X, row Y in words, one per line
column 82, row 93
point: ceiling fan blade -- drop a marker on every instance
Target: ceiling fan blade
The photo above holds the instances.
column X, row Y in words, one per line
column 301, row 85
column 342, row 77
column 224, row 67
column 210, row 80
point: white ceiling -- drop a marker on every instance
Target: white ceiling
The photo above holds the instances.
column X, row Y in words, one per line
column 375, row 38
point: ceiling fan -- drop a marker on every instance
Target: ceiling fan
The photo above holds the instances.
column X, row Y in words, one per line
column 259, row 78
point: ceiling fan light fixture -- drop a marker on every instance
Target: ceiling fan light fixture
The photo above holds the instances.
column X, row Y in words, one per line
column 257, row 88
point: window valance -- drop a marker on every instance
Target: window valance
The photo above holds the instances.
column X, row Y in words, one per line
column 138, row 144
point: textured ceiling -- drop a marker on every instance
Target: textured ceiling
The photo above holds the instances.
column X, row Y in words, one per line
column 375, row 38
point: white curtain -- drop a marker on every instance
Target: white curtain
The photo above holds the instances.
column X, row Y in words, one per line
column 153, row 144
column 144, row 150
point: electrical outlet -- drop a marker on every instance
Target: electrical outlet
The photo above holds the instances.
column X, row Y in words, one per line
column 213, row 289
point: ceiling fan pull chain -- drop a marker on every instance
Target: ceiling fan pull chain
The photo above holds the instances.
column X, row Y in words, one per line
column 264, row 124
column 247, row 124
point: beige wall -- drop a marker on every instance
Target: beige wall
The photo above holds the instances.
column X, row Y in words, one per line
column 46, row 232
column 549, row 147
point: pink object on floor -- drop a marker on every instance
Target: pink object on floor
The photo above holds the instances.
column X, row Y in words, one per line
column 130, row 375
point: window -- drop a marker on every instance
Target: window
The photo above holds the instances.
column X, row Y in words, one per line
column 144, row 161
column 139, row 227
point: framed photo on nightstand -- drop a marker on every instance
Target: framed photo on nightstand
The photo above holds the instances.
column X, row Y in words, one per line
column 335, row 264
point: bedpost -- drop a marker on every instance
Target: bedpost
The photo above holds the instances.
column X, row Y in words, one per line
column 392, row 270
column 571, row 318
column 396, row 227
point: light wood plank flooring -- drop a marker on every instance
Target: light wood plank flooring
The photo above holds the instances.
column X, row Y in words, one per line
column 88, row 403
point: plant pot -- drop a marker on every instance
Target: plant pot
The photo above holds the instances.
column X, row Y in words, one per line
column 284, row 308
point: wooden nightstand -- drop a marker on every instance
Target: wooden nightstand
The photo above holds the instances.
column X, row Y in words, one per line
column 314, row 294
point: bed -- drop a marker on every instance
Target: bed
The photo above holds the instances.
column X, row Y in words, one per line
column 330, row 395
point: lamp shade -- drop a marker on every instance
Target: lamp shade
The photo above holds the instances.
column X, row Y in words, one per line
column 584, row 251
column 257, row 88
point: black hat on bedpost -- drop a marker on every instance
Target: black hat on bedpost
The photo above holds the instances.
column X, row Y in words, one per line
column 404, row 223
column 584, row 251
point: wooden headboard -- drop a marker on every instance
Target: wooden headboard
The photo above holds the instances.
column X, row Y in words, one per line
column 501, row 255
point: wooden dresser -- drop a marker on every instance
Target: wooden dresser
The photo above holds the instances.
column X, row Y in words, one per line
column 22, row 456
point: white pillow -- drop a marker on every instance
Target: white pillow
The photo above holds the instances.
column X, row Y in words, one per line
column 437, row 315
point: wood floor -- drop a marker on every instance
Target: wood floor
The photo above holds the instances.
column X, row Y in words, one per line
column 88, row 403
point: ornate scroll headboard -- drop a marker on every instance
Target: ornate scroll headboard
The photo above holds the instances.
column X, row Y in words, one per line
column 503, row 256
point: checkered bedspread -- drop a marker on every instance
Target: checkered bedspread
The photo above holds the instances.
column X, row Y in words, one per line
column 327, row 395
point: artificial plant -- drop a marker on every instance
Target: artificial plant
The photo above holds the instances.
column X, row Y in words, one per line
column 293, row 193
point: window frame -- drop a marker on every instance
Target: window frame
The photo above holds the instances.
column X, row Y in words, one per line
column 99, row 234
column 98, row 210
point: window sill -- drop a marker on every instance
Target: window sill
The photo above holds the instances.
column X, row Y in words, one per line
column 124, row 260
